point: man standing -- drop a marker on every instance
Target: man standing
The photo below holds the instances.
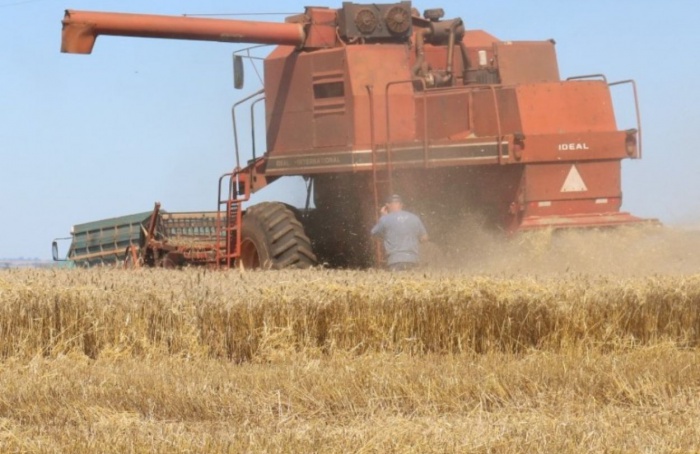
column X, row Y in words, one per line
column 402, row 232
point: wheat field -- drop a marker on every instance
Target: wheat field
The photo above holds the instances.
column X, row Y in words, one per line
column 432, row 361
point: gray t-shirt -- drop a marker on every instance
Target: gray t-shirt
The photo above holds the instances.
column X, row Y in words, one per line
column 401, row 232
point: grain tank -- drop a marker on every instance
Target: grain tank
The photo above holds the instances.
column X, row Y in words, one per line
column 372, row 99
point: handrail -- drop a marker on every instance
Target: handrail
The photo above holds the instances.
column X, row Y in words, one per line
column 252, row 124
column 636, row 101
column 497, row 111
column 378, row 248
column 636, row 108
column 373, row 144
column 219, row 226
column 589, row 76
column 235, row 129
column 469, row 90
column 499, row 137
column 388, row 122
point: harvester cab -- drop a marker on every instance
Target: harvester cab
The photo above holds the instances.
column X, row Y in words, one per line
column 371, row 99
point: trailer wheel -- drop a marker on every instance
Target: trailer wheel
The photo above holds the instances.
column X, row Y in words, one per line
column 272, row 237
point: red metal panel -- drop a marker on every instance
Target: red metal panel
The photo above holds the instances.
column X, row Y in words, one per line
column 575, row 106
column 288, row 101
column 573, row 207
column 582, row 194
column 579, row 220
column 581, row 146
column 546, row 182
column 494, row 108
column 375, row 66
column 479, row 38
column 448, row 115
column 522, row 62
column 331, row 121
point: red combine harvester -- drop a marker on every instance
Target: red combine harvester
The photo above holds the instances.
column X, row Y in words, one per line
column 371, row 99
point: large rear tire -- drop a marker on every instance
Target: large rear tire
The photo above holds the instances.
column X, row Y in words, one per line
column 273, row 238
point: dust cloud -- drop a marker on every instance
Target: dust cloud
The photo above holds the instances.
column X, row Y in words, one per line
column 623, row 251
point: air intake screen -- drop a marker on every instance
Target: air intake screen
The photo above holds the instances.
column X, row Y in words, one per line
column 375, row 21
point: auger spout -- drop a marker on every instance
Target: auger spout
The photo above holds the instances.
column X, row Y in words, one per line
column 81, row 29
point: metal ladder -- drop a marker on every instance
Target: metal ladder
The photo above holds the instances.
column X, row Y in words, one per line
column 384, row 178
column 229, row 217
column 382, row 182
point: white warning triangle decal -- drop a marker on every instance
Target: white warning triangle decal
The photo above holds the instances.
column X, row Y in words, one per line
column 574, row 182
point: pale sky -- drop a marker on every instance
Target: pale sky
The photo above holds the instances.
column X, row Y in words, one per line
column 142, row 120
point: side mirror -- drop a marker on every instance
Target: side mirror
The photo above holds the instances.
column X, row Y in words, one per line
column 54, row 251
column 238, row 72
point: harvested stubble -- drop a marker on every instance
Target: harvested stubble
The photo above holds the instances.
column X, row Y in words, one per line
column 317, row 361
column 642, row 401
